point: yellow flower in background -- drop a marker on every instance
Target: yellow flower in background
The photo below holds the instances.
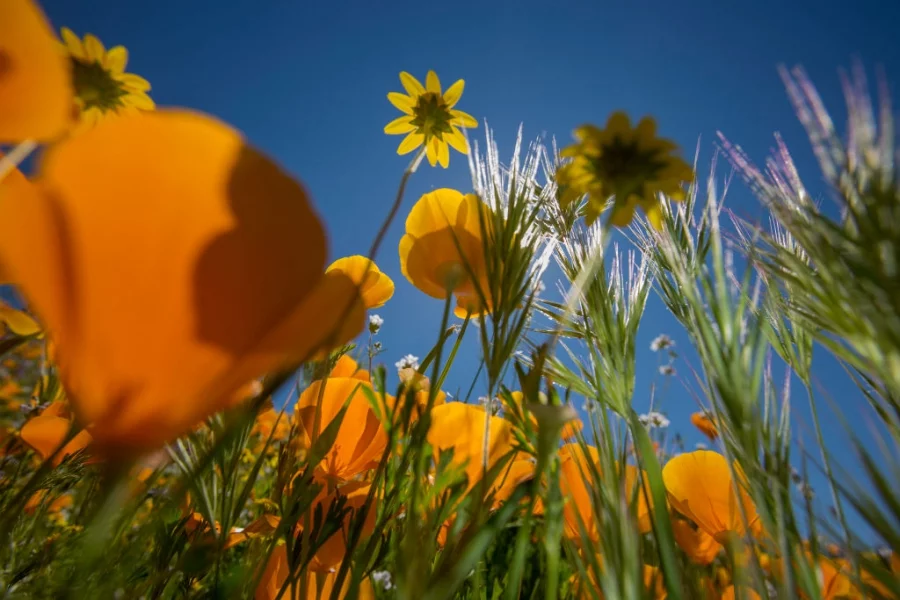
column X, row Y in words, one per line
column 375, row 287
column 18, row 322
column 102, row 87
column 443, row 248
column 429, row 118
column 35, row 80
column 700, row 487
column 166, row 227
column 633, row 165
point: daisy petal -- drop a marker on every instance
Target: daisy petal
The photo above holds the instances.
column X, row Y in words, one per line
column 398, row 126
column 432, row 83
column 93, row 48
column 411, row 84
column 462, row 119
column 401, row 102
column 73, row 43
column 139, row 100
column 443, row 154
column 458, row 141
column 410, row 143
column 116, row 59
column 134, row 82
column 454, row 93
column 431, row 152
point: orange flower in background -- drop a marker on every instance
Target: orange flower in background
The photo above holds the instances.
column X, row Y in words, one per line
column 36, row 93
column 46, row 433
column 39, row 497
column 705, row 425
column 347, row 367
column 460, row 427
column 330, row 555
column 700, row 487
column 271, row 425
column 700, row 547
column 361, row 438
column 317, row 584
column 375, row 287
column 442, row 251
column 576, row 483
column 516, row 473
column 167, row 228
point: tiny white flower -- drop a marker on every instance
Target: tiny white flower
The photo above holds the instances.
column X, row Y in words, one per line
column 376, row 346
column 375, row 323
column 591, row 406
column 700, row 446
column 654, row 419
column 409, row 361
column 491, row 404
column 382, row 579
column 661, row 342
column 667, row 370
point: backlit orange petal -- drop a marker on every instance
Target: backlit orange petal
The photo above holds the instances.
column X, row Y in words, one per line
column 460, row 427
column 167, row 228
column 705, row 425
column 375, row 287
column 36, row 94
column 700, row 487
column 700, row 547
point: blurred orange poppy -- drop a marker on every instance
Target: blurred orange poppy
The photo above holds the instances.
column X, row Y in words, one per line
column 311, row 585
column 746, row 593
column 361, row 438
column 700, row 487
column 347, row 367
column 46, row 433
column 705, row 425
column 442, row 251
column 161, row 254
column 375, row 287
column 36, row 93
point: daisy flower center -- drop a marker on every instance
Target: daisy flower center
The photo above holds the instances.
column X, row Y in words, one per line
column 626, row 165
column 95, row 86
column 431, row 116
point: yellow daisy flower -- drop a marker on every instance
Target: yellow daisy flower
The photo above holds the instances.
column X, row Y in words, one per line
column 633, row 165
column 102, row 87
column 429, row 118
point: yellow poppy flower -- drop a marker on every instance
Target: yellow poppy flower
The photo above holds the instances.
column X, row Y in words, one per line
column 700, row 547
column 460, row 427
column 375, row 287
column 159, row 251
column 633, row 165
column 443, row 244
column 705, row 425
column 102, row 87
column 361, row 438
column 429, row 118
column 700, row 487
column 516, row 473
column 35, row 81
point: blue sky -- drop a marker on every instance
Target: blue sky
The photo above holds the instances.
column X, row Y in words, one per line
column 306, row 82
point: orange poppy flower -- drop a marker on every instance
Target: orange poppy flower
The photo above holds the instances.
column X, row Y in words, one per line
column 361, row 438
column 347, row 367
column 37, row 498
column 705, row 425
column 375, row 287
column 575, row 484
column 700, row 547
column 834, row 579
column 36, row 93
column 166, row 228
column 460, row 427
column 516, row 473
column 270, row 423
column 312, row 585
column 443, row 248
column 45, row 434
column 16, row 321
column 700, row 487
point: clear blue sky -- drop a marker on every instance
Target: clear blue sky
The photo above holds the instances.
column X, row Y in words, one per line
column 306, row 81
